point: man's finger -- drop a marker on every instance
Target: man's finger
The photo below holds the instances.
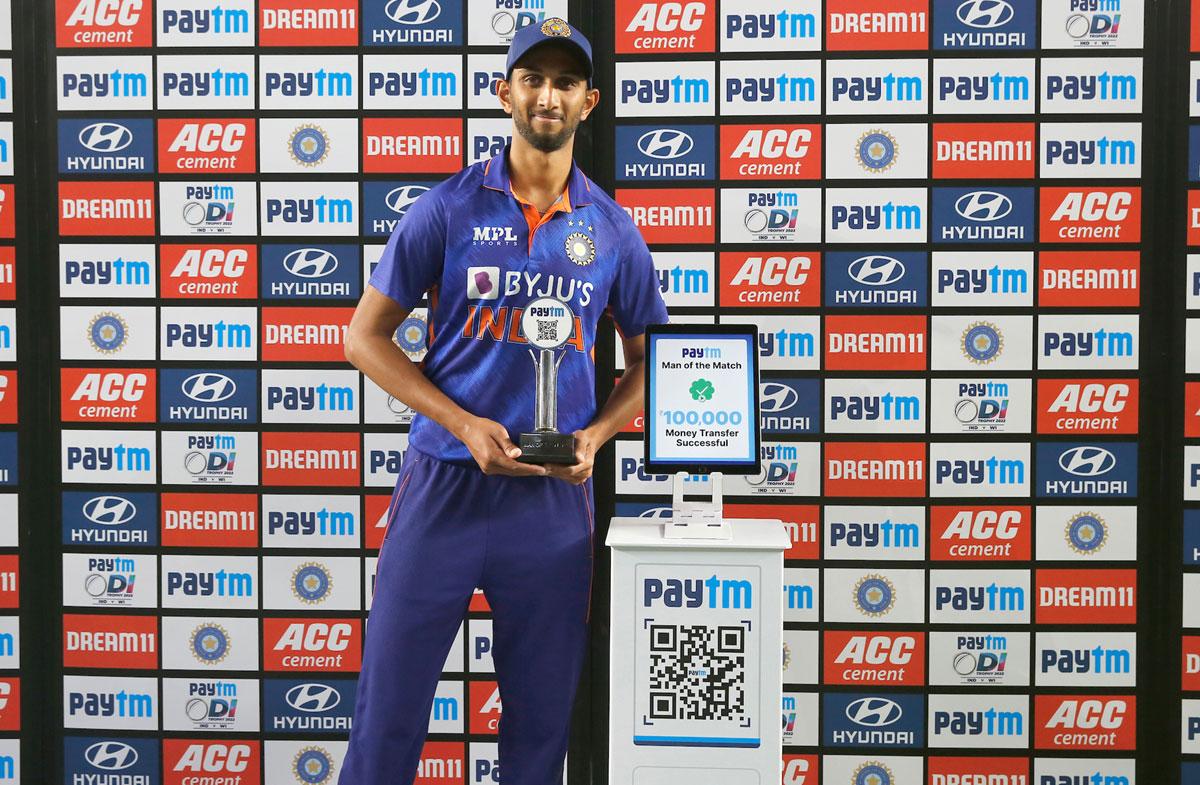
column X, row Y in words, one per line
column 509, row 466
column 506, row 444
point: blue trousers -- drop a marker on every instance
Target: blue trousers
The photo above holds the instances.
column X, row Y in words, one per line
column 527, row 542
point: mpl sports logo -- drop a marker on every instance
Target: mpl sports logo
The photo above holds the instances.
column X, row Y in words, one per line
column 196, row 395
column 210, row 520
column 765, row 152
column 94, row 641
column 99, row 395
column 1086, row 596
column 209, row 271
column 207, row 146
column 873, row 215
column 874, row 469
column 102, row 23
column 296, row 81
column 760, row 26
column 677, row 152
column 874, row 658
column 312, row 645
column 997, row 721
column 874, row 406
column 1001, row 86
column 673, row 89
column 979, row 658
column 989, row 151
column 980, row 533
column 982, row 279
column 96, row 145
column 412, row 23
column 984, row 24
column 415, row 82
column 1088, row 406
column 188, row 760
column 1078, row 150
column 105, row 701
column 665, row 26
column 410, row 145
column 1110, row 85
column 875, row 343
column 331, row 22
column 308, row 705
column 209, row 458
column 855, row 87
column 1111, row 279
column 979, row 406
column 856, row 26
column 111, row 761
column 874, row 533
column 300, row 396
column 105, row 208
column 873, row 720
column 316, row 209
column 878, row 279
column 97, row 517
column 1093, row 24
column 191, row 82
column 1087, row 469
column 993, row 215
column 979, row 596
column 105, row 270
column 312, row 459
column 1074, row 214
column 205, row 22
column 756, row 280
column 107, row 457
column 304, row 334
column 1082, row 659
column 309, row 272
column 676, row 215
column 1085, row 722
column 761, row 88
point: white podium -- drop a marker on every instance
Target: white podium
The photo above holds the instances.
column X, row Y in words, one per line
column 696, row 674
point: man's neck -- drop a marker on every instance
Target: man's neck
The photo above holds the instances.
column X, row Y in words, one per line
column 538, row 177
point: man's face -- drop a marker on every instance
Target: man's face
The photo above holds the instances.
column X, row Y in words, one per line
column 547, row 97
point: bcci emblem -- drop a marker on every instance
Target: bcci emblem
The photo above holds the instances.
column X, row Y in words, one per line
column 313, row 766
column 876, row 151
column 580, row 249
column 874, row 595
column 556, row 27
column 107, row 332
column 1086, row 533
column 210, row 644
column 308, row 145
column 311, row 583
column 412, row 335
column 982, row 342
column 872, row 772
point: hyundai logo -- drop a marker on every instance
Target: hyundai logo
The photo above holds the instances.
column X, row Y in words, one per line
column 400, row 199
column 776, row 397
column 111, row 755
column 106, row 137
column 656, row 512
column 310, row 262
column 983, row 206
column 109, row 510
column 313, row 697
column 984, row 13
column 665, row 143
column 412, row 12
column 876, row 270
column 873, row 712
column 208, row 387
column 1087, row 461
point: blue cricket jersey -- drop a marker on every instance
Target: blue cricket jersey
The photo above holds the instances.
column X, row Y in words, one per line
column 467, row 242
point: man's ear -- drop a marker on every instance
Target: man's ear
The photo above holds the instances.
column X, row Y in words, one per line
column 589, row 103
column 503, row 93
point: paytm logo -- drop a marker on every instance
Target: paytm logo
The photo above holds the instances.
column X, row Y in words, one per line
column 710, row 592
column 684, row 88
column 875, row 215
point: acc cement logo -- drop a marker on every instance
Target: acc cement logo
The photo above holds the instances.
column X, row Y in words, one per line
column 311, row 583
column 310, row 262
column 106, row 137
column 1085, row 461
column 312, row 765
column 209, row 387
column 874, row 595
column 413, row 12
column 1086, row 533
column 984, row 14
column 109, row 510
column 209, row 644
column 665, row 143
column 876, row 270
column 983, row 206
column 111, row 755
column 313, row 697
column 400, row 199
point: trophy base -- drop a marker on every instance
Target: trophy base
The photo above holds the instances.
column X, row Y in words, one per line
column 548, row 447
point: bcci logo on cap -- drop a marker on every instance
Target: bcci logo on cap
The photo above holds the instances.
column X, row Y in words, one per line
column 874, row 595
column 308, row 145
column 313, row 766
column 209, row 644
column 311, row 583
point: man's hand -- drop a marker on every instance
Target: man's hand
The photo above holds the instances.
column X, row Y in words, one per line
column 586, row 445
column 494, row 452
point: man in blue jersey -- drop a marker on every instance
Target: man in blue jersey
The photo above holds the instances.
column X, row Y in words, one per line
column 465, row 512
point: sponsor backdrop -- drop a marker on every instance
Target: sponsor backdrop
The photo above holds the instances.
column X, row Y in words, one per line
column 936, row 212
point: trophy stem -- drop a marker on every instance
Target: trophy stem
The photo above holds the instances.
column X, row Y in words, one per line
column 545, row 407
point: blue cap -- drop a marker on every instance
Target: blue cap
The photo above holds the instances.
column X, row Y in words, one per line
column 552, row 29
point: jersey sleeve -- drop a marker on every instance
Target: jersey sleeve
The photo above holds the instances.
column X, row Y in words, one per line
column 414, row 255
column 635, row 299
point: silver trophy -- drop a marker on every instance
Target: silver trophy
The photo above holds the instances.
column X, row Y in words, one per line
column 546, row 324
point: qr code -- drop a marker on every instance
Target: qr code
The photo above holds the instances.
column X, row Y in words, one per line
column 697, row 672
column 547, row 330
